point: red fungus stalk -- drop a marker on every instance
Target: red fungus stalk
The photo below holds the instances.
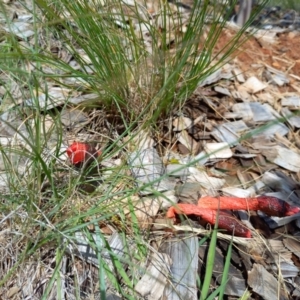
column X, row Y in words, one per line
column 208, row 207
column 269, row 205
column 226, row 221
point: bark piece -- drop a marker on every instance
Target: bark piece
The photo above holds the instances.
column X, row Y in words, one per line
column 222, row 90
column 74, row 118
column 269, row 130
column 83, row 249
column 283, row 184
column 181, row 123
column 230, row 132
column 263, row 283
column 184, row 269
column 279, row 155
column 254, row 85
column 260, row 112
column 293, row 245
column 236, row 284
column 245, row 8
column 218, row 150
column 255, row 188
column 276, row 76
column 177, row 170
column 153, row 282
column 236, row 192
column 167, row 198
column 147, row 168
column 287, row 269
column 292, row 119
column 189, row 192
column 239, row 75
column 292, row 101
column 186, row 140
column 112, row 297
column 56, row 96
column 243, row 110
column 205, row 180
column 275, row 222
column 145, row 210
column 22, row 30
column 212, row 78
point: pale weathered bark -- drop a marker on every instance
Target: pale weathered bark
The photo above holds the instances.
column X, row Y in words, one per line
column 244, row 12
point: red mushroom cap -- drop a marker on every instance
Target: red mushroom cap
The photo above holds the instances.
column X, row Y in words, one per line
column 80, row 153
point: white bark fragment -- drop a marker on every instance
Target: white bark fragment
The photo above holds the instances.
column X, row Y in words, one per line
column 254, row 85
column 218, row 150
column 279, row 155
column 153, row 283
column 184, row 269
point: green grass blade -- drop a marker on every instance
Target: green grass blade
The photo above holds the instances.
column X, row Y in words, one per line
column 226, row 270
column 214, row 294
column 209, row 265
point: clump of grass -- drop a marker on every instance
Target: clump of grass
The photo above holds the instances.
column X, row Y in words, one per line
column 141, row 69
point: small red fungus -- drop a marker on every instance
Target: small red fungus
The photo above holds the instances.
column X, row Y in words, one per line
column 82, row 154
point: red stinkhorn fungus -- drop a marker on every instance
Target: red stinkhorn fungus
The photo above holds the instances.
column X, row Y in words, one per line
column 269, row 205
column 207, row 209
column 82, row 154
column 226, row 221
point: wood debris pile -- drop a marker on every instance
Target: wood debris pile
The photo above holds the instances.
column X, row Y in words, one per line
column 245, row 145
column 239, row 136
